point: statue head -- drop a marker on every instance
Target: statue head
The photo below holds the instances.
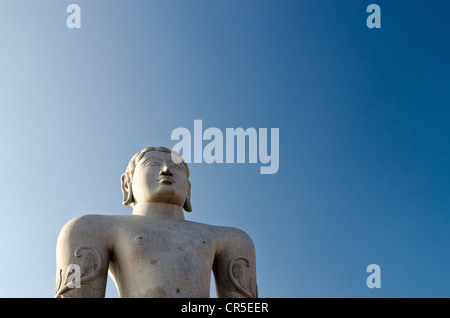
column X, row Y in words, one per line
column 157, row 174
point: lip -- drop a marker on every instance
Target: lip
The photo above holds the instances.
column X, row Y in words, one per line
column 166, row 180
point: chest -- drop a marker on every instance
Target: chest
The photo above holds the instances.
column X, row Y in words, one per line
column 165, row 242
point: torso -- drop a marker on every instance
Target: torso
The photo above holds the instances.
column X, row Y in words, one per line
column 161, row 258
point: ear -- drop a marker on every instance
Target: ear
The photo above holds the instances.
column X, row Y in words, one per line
column 187, row 204
column 126, row 190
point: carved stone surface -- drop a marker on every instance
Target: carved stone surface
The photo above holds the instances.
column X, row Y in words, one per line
column 154, row 252
column 237, row 281
column 90, row 270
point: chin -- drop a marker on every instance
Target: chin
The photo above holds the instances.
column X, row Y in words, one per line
column 166, row 191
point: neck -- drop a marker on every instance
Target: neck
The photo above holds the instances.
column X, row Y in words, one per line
column 159, row 210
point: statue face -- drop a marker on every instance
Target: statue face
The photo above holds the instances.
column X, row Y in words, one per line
column 158, row 179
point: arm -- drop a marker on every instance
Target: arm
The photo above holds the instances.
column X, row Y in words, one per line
column 235, row 266
column 82, row 259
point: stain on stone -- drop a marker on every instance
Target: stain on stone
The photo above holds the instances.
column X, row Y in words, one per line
column 153, row 261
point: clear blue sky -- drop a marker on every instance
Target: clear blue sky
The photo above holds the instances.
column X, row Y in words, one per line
column 364, row 119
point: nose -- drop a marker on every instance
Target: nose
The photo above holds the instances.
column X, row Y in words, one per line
column 165, row 171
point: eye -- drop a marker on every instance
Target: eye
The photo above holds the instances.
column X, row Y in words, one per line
column 152, row 164
column 176, row 167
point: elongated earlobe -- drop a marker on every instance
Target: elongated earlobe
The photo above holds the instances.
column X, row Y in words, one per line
column 187, row 204
column 126, row 190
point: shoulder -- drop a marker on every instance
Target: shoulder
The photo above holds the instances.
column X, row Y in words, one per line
column 87, row 227
column 85, row 223
column 233, row 233
column 221, row 232
column 234, row 238
column 224, row 236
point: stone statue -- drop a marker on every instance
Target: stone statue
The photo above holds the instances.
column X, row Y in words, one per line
column 154, row 252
